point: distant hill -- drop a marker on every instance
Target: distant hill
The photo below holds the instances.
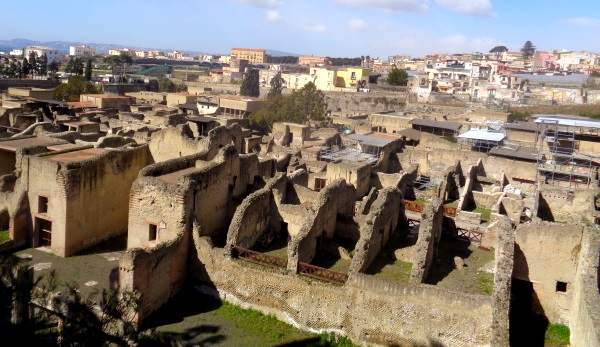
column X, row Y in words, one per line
column 102, row 48
column 275, row 53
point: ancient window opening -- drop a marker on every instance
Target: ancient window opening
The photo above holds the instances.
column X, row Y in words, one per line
column 561, row 286
column 320, row 183
column 152, row 232
column 42, row 204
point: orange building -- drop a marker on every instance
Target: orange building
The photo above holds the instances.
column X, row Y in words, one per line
column 250, row 54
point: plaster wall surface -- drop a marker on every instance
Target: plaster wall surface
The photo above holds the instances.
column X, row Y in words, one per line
column 546, row 253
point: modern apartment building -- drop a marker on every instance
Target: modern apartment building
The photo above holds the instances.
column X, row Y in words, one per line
column 250, row 54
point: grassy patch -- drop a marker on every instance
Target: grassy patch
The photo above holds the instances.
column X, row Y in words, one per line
column 486, row 283
column 557, row 335
column 4, row 236
column 450, row 139
column 472, row 278
column 387, row 266
column 192, row 319
column 485, row 213
column 451, row 203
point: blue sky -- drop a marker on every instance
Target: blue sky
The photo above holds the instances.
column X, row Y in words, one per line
column 336, row 28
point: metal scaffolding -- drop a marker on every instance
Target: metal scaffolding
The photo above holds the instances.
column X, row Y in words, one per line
column 559, row 162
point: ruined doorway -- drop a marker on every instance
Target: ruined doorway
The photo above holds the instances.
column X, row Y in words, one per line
column 320, row 183
column 527, row 328
column 44, row 232
column 284, row 234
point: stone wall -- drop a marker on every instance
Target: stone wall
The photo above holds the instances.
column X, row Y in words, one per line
column 503, row 268
column 556, row 204
column 430, row 233
column 250, row 219
column 383, row 217
column 157, row 273
column 487, row 200
column 406, row 314
column 335, row 201
column 175, row 142
column 546, row 253
column 87, row 200
column 585, row 311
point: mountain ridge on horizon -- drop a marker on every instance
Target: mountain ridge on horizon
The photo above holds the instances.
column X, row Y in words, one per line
column 63, row 47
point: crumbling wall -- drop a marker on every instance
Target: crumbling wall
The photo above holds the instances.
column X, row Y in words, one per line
column 585, row 310
column 487, row 200
column 156, row 273
column 513, row 208
column 336, row 199
column 430, row 233
column 546, row 253
column 406, row 314
column 251, row 218
column 376, row 228
column 556, row 204
column 503, row 268
column 175, row 142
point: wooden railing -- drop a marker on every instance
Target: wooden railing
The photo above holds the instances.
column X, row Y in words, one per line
column 471, row 235
column 261, row 258
column 414, row 206
column 10, row 128
column 450, row 211
column 321, row 273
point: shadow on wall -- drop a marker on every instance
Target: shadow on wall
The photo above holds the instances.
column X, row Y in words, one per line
column 528, row 322
column 544, row 211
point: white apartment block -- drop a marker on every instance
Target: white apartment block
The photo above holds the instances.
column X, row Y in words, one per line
column 79, row 51
column 16, row 52
column 52, row 54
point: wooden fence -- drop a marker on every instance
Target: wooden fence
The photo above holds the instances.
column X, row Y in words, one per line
column 321, row 273
column 261, row 258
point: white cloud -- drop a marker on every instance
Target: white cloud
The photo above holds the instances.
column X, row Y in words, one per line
column 462, row 44
column 262, row 3
column 584, row 22
column 390, row 5
column 358, row 25
column 316, row 28
column 468, row 7
column 273, row 16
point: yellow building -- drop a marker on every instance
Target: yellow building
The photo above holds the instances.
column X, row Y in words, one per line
column 350, row 77
column 250, row 54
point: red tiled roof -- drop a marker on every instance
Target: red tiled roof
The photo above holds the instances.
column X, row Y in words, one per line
column 83, row 104
column 106, row 96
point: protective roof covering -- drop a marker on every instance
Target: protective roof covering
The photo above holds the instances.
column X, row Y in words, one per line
column 521, row 126
column 436, row 124
column 370, row 140
column 411, row 134
column 476, row 134
column 202, row 119
column 519, row 152
column 569, row 79
column 570, row 122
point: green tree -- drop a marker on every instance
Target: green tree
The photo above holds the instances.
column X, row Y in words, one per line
column 250, row 84
column 72, row 90
column 19, row 70
column 277, row 83
column 53, row 67
column 310, row 103
column 117, row 64
column 70, row 65
column 43, row 65
column 398, row 77
column 499, row 50
column 33, row 63
column 528, row 50
column 88, row 70
column 25, row 67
